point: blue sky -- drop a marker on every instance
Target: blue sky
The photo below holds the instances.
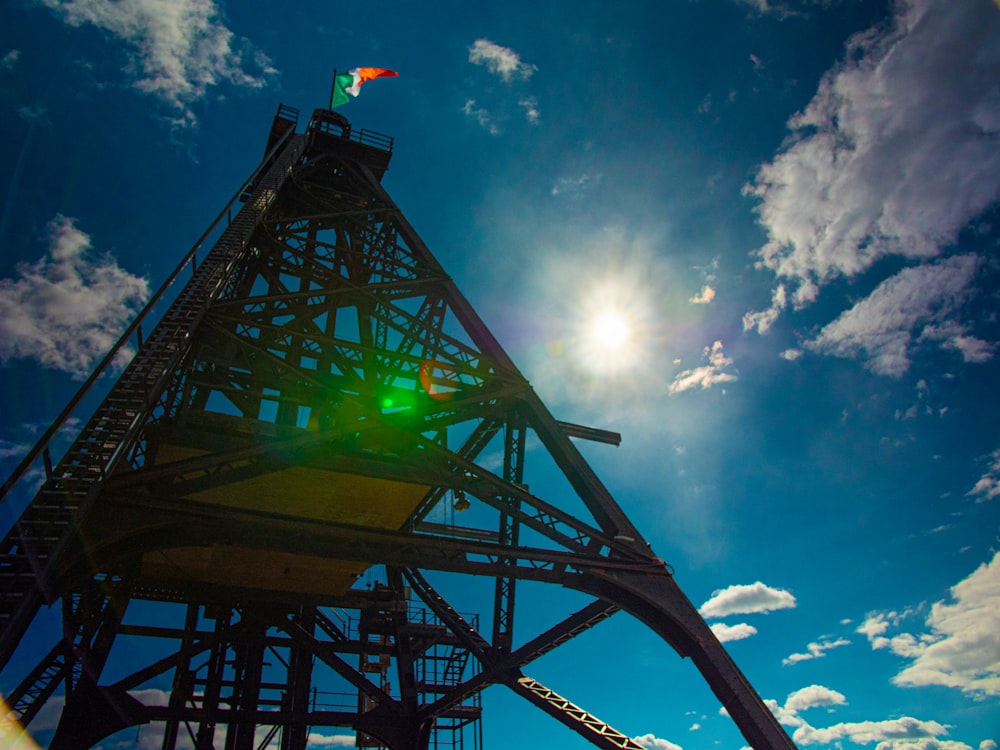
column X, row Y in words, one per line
column 782, row 215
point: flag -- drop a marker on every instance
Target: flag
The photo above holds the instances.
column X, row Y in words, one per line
column 346, row 85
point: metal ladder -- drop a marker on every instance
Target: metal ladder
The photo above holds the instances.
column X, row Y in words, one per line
column 34, row 543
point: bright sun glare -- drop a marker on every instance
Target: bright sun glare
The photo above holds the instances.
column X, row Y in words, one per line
column 610, row 331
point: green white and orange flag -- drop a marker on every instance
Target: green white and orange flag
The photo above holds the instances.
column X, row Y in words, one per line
column 346, row 85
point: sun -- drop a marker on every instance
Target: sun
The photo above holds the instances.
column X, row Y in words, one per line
column 610, row 330
column 608, row 337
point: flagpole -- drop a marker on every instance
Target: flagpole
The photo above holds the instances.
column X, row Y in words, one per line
column 333, row 87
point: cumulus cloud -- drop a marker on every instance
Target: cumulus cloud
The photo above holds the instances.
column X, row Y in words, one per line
column 803, row 699
column 736, row 632
column 892, row 734
column 177, row 50
column 813, row 696
column 894, row 156
column 962, row 646
column 742, row 599
column 895, row 153
column 883, row 327
column 988, row 486
column 652, row 742
column 815, row 650
column 67, row 309
column 503, row 61
column 706, row 295
column 706, row 376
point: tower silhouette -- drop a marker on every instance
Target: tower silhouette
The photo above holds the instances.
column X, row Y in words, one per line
column 240, row 541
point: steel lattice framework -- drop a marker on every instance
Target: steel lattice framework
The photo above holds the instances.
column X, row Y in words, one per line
column 317, row 400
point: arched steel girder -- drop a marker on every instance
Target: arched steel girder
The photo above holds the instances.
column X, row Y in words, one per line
column 644, row 588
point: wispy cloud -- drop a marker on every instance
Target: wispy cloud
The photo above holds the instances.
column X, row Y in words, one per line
column 481, row 115
column 530, row 106
column 894, row 155
column 68, row 308
column 9, row 59
column 575, row 186
column 507, row 64
column 177, row 51
column 706, row 376
column 910, row 307
column 742, row 599
column 815, row 650
column 988, row 486
column 503, row 61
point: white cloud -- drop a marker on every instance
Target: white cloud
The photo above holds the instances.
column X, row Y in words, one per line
column 892, row 734
column 177, row 50
column 988, row 745
column 803, row 699
column 791, row 354
column 988, row 486
column 813, row 696
column 742, row 599
column 530, row 106
column 651, row 742
column 503, row 61
column 738, row 632
column 707, row 375
column 764, row 319
column 874, row 627
column 962, row 648
column 481, row 116
column 706, row 295
column 884, row 326
column 67, row 309
column 575, row 186
column 336, row 740
column 894, row 156
column 9, row 59
column 815, row 650
column 891, row 155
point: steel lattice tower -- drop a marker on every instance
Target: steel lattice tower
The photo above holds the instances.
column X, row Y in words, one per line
column 315, row 401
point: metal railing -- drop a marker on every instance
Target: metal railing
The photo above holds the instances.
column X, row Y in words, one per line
column 42, row 448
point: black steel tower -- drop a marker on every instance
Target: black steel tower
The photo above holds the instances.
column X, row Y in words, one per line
column 315, row 403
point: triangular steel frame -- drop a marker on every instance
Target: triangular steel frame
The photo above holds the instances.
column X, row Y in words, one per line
column 320, row 339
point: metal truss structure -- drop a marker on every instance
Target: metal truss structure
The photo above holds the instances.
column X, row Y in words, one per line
column 318, row 399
